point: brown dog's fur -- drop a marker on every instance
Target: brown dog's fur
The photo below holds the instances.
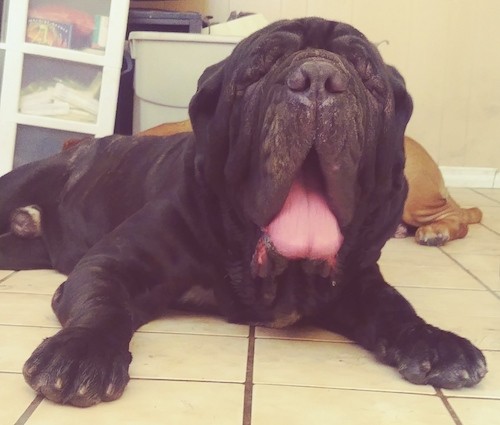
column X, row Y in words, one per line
column 168, row 129
column 429, row 207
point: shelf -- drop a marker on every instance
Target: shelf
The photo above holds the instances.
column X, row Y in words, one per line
column 65, row 54
column 31, row 67
column 57, row 123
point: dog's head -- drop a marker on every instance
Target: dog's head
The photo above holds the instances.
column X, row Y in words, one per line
column 301, row 128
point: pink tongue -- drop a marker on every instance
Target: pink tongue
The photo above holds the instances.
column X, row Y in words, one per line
column 305, row 227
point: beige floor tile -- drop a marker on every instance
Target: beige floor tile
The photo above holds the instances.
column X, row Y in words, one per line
column 33, row 282
column 15, row 397
column 408, row 252
column 489, row 387
column 485, row 267
column 154, row 402
column 477, row 412
column 191, row 323
column 491, row 218
column 26, row 310
column 324, row 364
column 189, row 357
column 454, row 302
column 451, row 277
column 472, row 314
column 473, row 197
column 4, row 274
column 279, row 405
column 479, row 240
column 18, row 342
column 493, row 194
column 305, row 333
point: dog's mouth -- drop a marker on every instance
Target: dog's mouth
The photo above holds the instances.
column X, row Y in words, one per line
column 304, row 229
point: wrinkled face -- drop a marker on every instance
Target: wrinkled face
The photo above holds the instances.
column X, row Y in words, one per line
column 301, row 109
column 310, row 114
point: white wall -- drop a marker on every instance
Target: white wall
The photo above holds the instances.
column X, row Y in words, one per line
column 448, row 52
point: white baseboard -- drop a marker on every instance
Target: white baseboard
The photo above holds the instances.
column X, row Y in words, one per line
column 476, row 177
column 496, row 183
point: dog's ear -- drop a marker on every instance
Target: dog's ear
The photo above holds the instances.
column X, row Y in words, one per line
column 403, row 105
column 384, row 183
column 391, row 183
column 211, row 96
column 208, row 91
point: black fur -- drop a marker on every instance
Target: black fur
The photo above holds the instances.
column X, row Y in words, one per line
column 137, row 223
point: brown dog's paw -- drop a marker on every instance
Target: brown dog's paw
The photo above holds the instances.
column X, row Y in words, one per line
column 77, row 367
column 440, row 232
column 432, row 235
column 401, row 232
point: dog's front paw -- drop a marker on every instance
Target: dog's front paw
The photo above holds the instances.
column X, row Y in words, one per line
column 432, row 235
column 428, row 355
column 78, row 367
column 402, row 231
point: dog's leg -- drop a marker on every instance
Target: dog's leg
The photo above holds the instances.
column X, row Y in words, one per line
column 376, row 316
column 38, row 183
column 441, row 231
column 134, row 274
column 22, row 254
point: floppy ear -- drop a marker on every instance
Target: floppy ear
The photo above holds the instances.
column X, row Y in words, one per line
column 385, row 204
column 209, row 86
column 204, row 106
column 403, row 104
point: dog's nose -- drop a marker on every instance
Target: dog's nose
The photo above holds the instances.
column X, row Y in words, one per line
column 320, row 77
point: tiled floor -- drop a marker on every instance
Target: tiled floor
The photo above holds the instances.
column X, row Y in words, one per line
column 199, row 370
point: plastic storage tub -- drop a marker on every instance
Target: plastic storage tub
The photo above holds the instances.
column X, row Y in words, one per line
column 167, row 68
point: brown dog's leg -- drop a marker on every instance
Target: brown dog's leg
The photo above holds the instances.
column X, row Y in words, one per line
column 452, row 225
column 429, row 206
column 441, row 231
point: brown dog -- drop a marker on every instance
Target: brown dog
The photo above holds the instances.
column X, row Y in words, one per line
column 429, row 207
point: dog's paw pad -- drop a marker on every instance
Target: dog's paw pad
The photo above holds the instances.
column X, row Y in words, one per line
column 431, row 236
column 428, row 355
column 26, row 222
column 402, row 231
column 74, row 367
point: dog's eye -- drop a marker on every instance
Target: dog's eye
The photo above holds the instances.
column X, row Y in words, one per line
column 370, row 75
column 265, row 55
column 376, row 86
column 360, row 54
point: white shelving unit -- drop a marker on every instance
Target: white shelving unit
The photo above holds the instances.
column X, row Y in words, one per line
column 27, row 66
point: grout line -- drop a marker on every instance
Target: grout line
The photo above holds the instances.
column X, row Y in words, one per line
column 448, row 407
column 29, row 410
column 486, row 196
column 490, row 229
column 491, row 291
column 8, row 276
column 247, row 403
column 20, row 325
column 349, row 389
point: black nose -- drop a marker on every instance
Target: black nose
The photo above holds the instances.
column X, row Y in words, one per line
column 318, row 76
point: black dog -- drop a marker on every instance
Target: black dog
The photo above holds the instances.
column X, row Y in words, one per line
column 274, row 211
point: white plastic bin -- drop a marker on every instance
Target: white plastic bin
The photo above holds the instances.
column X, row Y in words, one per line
column 167, row 68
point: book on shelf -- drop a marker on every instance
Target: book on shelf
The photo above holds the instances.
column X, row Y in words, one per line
column 49, row 33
